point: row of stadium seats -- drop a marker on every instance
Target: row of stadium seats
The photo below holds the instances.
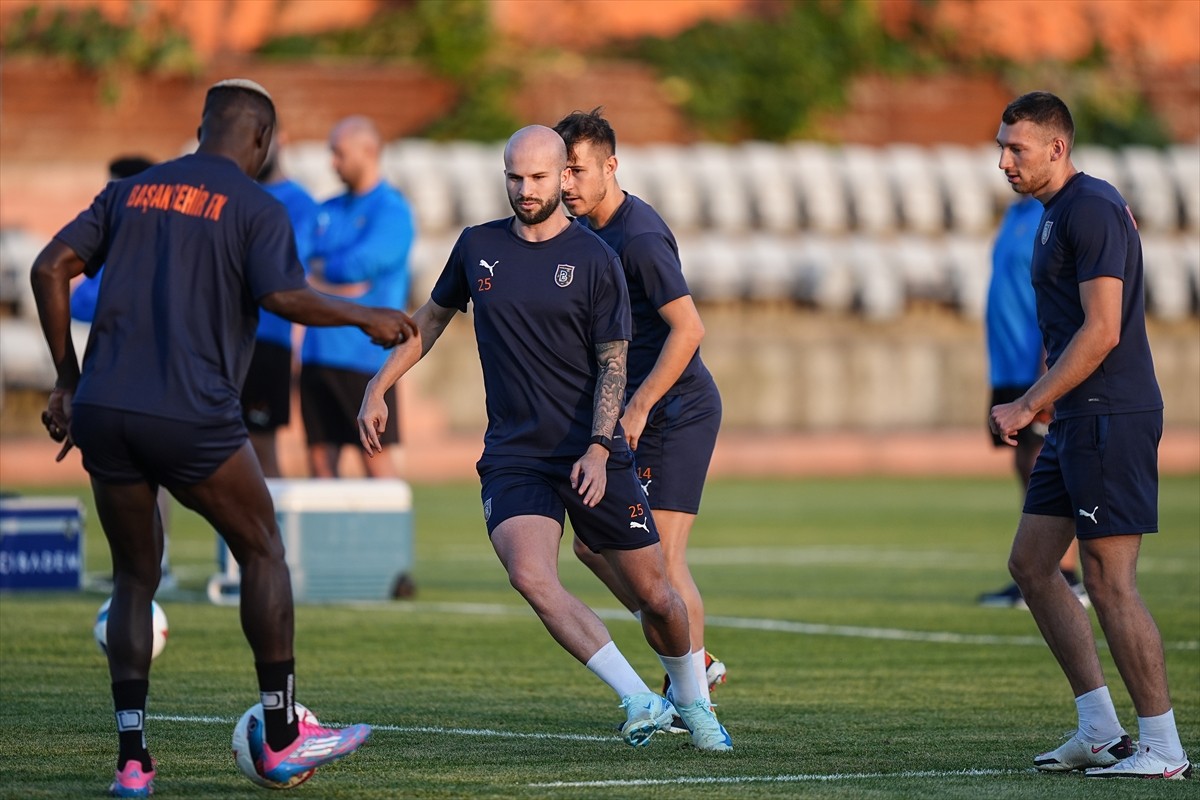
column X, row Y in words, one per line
column 792, row 188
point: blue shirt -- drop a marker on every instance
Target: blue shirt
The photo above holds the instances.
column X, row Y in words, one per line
column 1087, row 231
column 540, row 309
column 302, row 210
column 654, row 275
column 360, row 238
column 1014, row 340
column 189, row 247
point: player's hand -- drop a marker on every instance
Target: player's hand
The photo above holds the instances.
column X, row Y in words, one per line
column 57, row 419
column 589, row 475
column 1007, row 419
column 372, row 421
column 633, row 422
column 389, row 327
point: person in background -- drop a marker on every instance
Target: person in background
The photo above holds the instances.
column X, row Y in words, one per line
column 191, row 249
column 267, row 395
column 359, row 249
column 552, row 324
column 673, row 409
column 1096, row 477
column 1015, row 357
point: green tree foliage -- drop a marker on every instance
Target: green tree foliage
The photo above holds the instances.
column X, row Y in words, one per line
column 83, row 36
column 454, row 39
column 765, row 77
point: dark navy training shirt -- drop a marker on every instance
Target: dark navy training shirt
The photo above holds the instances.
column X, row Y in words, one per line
column 650, row 257
column 540, row 309
column 1087, row 231
column 189, row 247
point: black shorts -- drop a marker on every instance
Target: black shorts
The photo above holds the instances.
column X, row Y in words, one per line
column 267, row 393
column 1031, row 434
column 676, row 447
column 128, row 447
column 1101, row 471
column 514, row 486
column 329, row 402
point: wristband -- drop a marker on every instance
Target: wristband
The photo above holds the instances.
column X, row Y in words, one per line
column 603, row 441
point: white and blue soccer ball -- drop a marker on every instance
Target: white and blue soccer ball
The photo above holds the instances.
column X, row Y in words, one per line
column 159, row 624
column 248, row 746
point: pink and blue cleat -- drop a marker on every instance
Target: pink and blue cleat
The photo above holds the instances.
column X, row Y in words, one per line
column 132, row 781
column 314, row 747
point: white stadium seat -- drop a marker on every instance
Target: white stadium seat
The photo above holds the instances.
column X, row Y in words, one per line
column 969, row 187
column 879, row 287
column 676, row 191
column 969, row 266
column 712, row 265
column 309, row 164
column 722, row 185
column 1101, row 162
column 770, row 176
column 768, row 263
column 416, row 168
column 870, row 191
column 914, row 182
column 1151, row 190
column 821, row 187
column 1184, row 162
column 18, row 249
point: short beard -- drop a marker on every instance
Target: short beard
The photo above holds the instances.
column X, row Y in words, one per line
column 537, row 217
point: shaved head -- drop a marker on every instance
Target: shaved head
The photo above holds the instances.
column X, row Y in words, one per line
column 537, row 141
column 356, row 146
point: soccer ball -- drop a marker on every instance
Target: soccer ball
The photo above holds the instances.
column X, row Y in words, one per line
column 158, row 624
column 248, row 744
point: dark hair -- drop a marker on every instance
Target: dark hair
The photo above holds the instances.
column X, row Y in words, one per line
column 1044, row 110
column 225, row 102
column 128, row 166
column 579, row 126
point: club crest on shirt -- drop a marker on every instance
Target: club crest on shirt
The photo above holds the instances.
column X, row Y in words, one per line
column 487, row 509
column 1046, row 230
column 563, row 275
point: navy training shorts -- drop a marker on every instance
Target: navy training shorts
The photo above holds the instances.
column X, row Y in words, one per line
column 124, row 447
column 330, row 398
column 1102, row 471
column 676, row 448
column 267, row 392
column 513, row 486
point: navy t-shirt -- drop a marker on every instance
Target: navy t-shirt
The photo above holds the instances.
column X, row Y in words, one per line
column 189, row 247
column 650, row 257
column 540, row 310
column 1087, row 231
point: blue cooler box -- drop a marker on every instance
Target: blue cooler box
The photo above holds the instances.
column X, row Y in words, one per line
column 344, row 540
column 41, row 543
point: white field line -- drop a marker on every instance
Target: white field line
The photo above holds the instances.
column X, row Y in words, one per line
column 810, row 778
column 756, row 624
column 483, row 732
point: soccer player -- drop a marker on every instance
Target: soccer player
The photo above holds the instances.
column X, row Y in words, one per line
column 1014, row 345
column 267, row 395
column 191, row 248
column 360, row 248
column 552, row 325
column 1096, row 478
column 673, row 408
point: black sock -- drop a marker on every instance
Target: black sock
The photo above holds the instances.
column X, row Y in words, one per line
column 276, row 686
column 129, row 703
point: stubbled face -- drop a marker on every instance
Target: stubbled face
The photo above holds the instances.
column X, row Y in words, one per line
column 1026, row 150
column 533, row 176
column 587, row 180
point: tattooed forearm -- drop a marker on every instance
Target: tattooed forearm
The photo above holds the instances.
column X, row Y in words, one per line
column 610, row 387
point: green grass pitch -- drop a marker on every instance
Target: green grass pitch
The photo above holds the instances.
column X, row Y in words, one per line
column 859, row 664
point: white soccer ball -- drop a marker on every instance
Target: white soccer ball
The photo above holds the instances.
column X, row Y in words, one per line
column 248, row 744
column 158, row 624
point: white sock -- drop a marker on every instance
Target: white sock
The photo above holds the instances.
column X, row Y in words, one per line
column 683, row 678
column 1160, row 735
column 1097, row 718
column 701, row 674
column 612, row 668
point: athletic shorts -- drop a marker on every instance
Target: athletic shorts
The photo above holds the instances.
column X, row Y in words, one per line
column 267, row 393
column 128, row 447
column 329, row 402
column 1102, row 471
column 515, row 486
column 676, row 447
column 1031, row 434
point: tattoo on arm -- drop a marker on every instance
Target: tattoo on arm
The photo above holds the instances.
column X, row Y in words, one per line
column 610, row 387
